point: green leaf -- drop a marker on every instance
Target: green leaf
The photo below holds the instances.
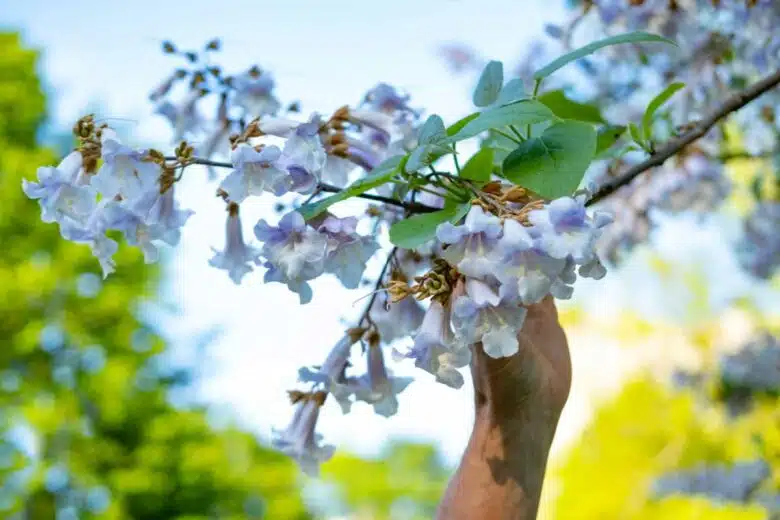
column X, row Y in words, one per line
column 479, row 167
column 458, row 125
column 607, row 137
column 565, row 108
column 655, row 104
column 521, row 113
column 416, row 230
column 554, row 163
column 425, row 155
column 636, row 134
column 377, row 177
column 432, row 130
column 513, row 91
column 632, row 37
column 489, row 84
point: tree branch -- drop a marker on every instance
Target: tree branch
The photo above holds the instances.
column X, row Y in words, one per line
column 413, row 207
column 673, row 146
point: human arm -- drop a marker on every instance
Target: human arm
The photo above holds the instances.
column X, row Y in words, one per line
column 518, row 401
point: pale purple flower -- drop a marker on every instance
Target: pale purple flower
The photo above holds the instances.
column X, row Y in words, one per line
column 758, row 250
column 237, row 256
column 103, row 248
column 59, row 193
column 376, row 120
column 593, row 269
column 278, row 126
column 472, row 245
column 299, row 440
column 527, row 275
column 124, row 171
column 396, row 320
column 481, row 315
column 255, row 172
column 433, row 348
column 296, row 251
column 563, row 229
column 378, row 386
column 184, row 119
column 254, row 93
column 114, row 214
column 161, row 211
column 388, row 99
column 304, row 147
column 331, row 373
column 336, row 170
column 347, row 252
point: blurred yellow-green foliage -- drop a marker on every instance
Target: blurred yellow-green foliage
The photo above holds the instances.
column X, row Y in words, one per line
column 650, row 429
column 87, row 427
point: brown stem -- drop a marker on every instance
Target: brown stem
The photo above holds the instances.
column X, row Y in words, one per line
column 673, row 146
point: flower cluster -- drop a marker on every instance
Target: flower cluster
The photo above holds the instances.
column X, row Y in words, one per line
column 492, row 268
column 132, row 192
column 759, row 248
column 482, row 251
column 754, row 368
column 693, row 183
column 736, row 483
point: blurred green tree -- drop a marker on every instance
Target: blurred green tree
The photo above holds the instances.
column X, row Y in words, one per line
column 86, row 427
column 405, row 482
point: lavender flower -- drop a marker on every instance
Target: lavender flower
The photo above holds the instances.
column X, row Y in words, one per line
column 481, row 315
column 331, row 373
column 758, row 250
column 103, row 248
column 58, row 192
column 472, row 245
column 113, row 214
column 125, row 171
column 378, row 386
column 563, row 229
column 433, row 347
column 254, row 93
column 161, row 211
column 299, row 440
column 396, row 320
column 255, row 172
column 347, row 252
column 295, row 252
column 237, row 256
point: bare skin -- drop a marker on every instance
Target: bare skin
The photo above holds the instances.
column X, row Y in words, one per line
column 518, row 402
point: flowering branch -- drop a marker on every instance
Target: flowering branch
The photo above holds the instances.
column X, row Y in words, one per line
column 413, row 207
column 698, row 130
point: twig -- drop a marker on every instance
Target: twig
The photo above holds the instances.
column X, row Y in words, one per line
column 672, row 147
column 365, row 317
column 413, row 207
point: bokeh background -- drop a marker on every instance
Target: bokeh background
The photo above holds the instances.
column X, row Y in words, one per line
column 151, row 395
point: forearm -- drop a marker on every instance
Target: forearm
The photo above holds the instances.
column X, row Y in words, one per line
column 502, row 470
column 518, row 401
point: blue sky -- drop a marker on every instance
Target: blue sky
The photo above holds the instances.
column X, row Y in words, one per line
column 326, row 54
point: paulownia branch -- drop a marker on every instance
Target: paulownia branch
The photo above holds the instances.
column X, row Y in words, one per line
column 699, row 129
column 413, row 207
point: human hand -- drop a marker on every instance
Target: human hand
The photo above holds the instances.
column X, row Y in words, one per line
column 518, row 401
